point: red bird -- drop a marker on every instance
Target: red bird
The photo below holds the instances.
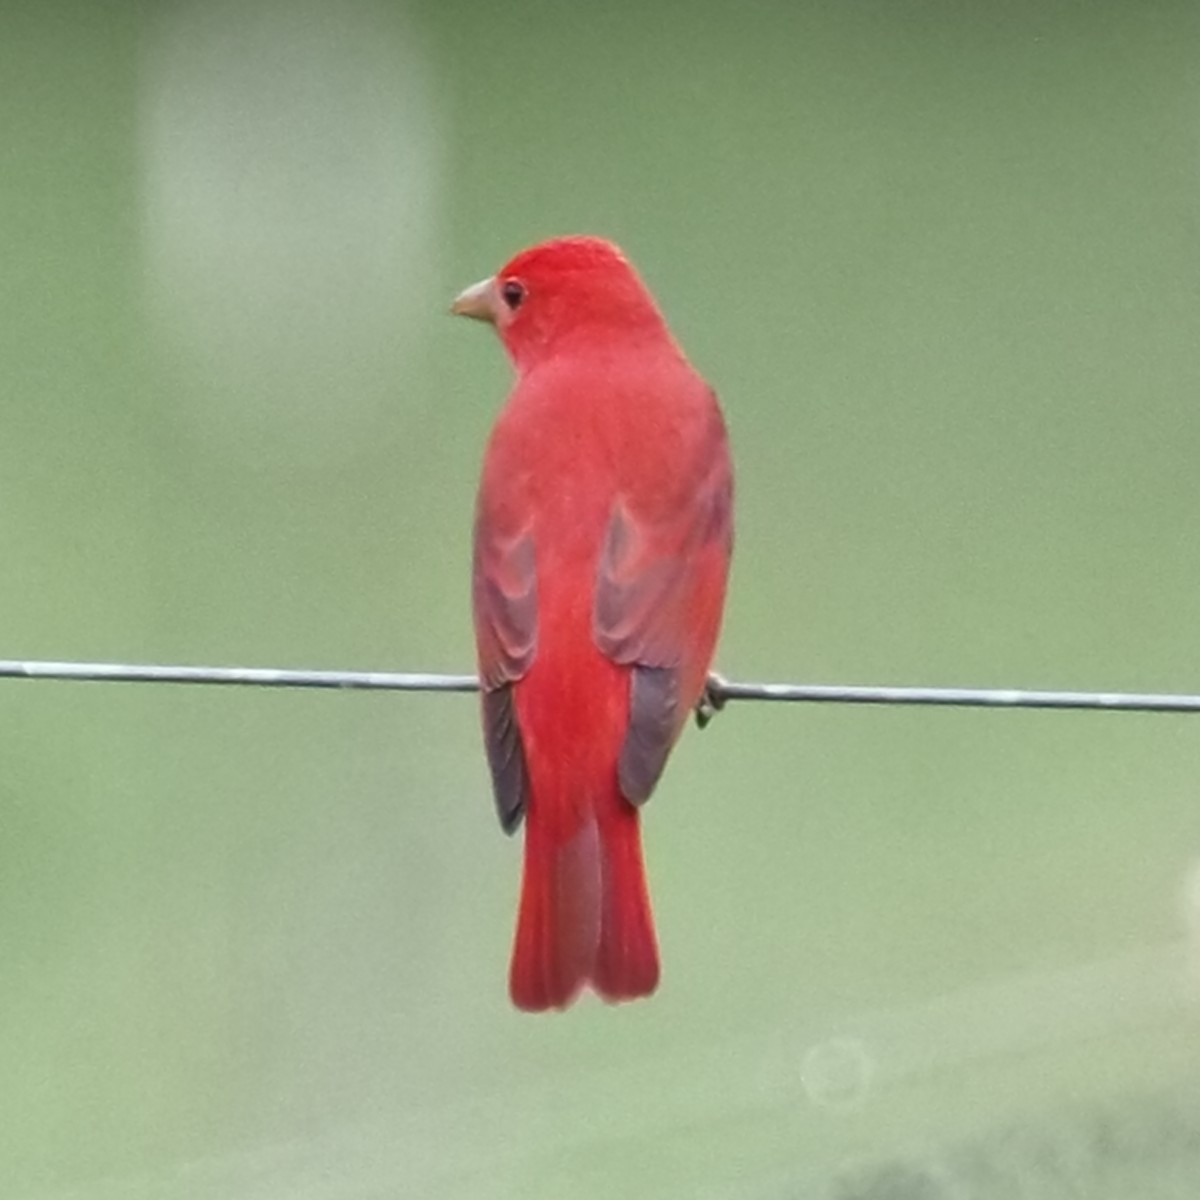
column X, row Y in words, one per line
column 603, row 534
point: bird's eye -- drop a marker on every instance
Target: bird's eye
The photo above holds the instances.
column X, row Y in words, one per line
column 512, row 293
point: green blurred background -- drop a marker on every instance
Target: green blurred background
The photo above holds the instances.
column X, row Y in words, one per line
column 941, row 261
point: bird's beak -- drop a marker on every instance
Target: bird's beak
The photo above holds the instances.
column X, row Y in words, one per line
column 478, row 301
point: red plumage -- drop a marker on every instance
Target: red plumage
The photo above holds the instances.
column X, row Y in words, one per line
column 602, row 541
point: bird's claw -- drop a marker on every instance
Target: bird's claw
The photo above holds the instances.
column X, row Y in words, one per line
column 711, row 701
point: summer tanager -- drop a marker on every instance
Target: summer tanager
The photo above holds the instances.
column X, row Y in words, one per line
column 603, row 534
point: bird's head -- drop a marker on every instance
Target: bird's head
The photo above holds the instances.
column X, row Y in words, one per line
column 568, row 293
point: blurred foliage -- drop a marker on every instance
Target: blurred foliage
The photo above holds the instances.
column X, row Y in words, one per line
column 939, row 260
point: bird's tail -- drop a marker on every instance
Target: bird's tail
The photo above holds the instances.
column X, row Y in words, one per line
column 585, row 914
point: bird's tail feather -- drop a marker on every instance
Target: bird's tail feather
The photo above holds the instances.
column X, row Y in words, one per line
column 585, row 915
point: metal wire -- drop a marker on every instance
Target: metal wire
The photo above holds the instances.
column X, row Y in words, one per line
column 720, row 690
column 379, row 681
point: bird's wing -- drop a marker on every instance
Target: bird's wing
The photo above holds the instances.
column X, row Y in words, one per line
column 659, row 592
column 504, row 586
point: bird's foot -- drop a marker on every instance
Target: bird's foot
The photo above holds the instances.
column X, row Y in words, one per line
column 711, row 701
